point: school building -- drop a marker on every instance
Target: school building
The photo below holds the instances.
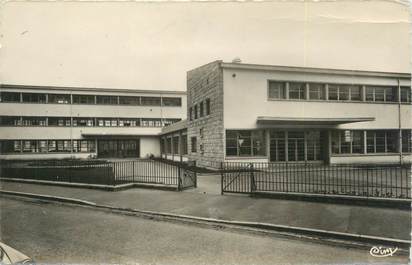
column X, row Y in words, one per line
column 264, row 113
column 44, row 122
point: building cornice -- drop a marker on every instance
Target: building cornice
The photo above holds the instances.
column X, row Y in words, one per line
column 310, row 70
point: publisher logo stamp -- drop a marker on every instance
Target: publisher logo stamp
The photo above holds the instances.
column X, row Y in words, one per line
column 381, row 252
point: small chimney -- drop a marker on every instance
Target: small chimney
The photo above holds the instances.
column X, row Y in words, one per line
column 237, row 60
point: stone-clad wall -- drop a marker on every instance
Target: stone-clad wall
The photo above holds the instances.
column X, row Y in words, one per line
column 202, row 83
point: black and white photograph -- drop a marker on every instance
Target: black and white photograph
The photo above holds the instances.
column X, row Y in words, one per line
column 205, row 132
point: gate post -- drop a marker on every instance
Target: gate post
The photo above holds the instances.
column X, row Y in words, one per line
column 179, row 179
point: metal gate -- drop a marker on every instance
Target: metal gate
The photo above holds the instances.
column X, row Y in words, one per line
column 187, row 179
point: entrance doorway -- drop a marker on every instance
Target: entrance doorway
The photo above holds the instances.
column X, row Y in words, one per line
column 118, row 148
column 295, row 146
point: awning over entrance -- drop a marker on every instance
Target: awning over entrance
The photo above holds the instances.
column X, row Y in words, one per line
column 264, row 120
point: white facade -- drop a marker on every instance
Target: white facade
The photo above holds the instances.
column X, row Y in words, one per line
column 126, row 117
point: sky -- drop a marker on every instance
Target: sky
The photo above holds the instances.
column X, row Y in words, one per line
column 151, row 45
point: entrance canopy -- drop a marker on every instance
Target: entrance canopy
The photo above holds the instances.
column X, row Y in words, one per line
column 264, row 120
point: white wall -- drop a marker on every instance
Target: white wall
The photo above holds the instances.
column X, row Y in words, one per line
column 246, row 98
column 149, row 146
column 371, row 159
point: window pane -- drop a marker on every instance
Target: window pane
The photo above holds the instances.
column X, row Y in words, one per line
column 106, row 100
column 297, row 90
column 391, row 141
column 333, row 92
column 369, row 93
column 259, row 144
column 405, row 94
column 9, row 97
column 355, row 93
column 357, row 142
column 277, row 90
column 129, row 100
column 406, row 141
column 380, row 142
column 201, row 108
column 150, row 101
column 83, row 99
column 344, row 92
column 208, row 106
column 379, row 94
column 335, row 142
column 390, row 94
column 172, row 101
column 316, row 91
column 34, row 97
column 59, row 98
column 10, row 121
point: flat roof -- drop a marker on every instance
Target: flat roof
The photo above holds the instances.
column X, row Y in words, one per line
column 93, row 89
column 310, row 121
column 174, row 127
column 312, row 70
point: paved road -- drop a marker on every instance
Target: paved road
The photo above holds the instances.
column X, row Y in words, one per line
column 53, row 233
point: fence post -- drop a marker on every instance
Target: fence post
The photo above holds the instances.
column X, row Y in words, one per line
column 221, row 178
column 252, row 179
column 179, row 179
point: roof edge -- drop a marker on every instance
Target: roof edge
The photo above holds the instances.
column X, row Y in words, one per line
column 94, row 89
column 313, row 70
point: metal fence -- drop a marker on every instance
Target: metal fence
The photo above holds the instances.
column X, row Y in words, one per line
column 101, row 172
column 388, row 181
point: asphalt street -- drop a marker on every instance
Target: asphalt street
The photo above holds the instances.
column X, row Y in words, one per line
column 55, row 233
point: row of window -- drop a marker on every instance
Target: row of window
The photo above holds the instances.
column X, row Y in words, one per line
column 173, row 145
column 382, row 141
column 84, row 122
column 47, row 146
column 307, row 145
column 339, row 92
column 200, row 110
column 89, row 99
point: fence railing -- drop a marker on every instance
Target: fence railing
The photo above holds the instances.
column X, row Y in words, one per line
column 389, row 181
column 100, row 172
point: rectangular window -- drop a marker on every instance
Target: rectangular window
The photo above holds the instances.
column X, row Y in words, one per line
column 106, row 100
column 10, row 146
column 30, row 146
column 380, row 93
column 277, row 90
column 151, row 101
column 10, row 121
column 347, row 142
column 344, row 92
column 196, row 112
column 34, row 98
column 316, row 91
column 405, row 94
column 245, row 143
column 297, row 90
column 134, row 101
column 183, row 144
column 34, row 121
column 83, row 99
column 176, row 145
column 207, row 106
column 333, row 92
column 83, row 122
column 193, row 142
column 59, row 98
column 9, row 97
column 172, row 101
column 406, row 141
column 168, row 145
column 190, row 113
column 59, row 121
column 381, row 141
column 201, row 108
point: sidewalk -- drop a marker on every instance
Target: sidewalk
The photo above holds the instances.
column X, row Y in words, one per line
column 369, row 221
